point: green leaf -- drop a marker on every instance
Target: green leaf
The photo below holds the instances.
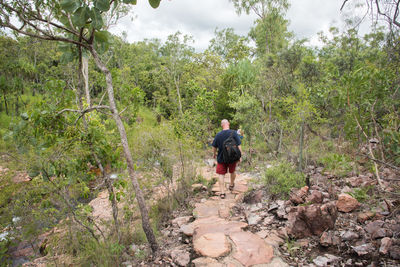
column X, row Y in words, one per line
column 102, row 5
column 80, row 16
column 70, row 6
column 154, row 3
column 101, row 36
column 132, row 2
column 97, row 20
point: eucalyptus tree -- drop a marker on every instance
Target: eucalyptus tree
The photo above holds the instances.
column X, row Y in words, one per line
column 177, row 54
column 80, row 24
column 270, row 30
column 229, row 46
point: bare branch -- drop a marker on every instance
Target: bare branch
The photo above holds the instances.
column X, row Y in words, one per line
column 83, row 111
column 345, row 1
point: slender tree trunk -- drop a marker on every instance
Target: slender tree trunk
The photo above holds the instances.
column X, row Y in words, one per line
column 301, row 147
column 83, row 77
column 5, row 103
column 128, row 156
column 179, row 95
column 85, row 74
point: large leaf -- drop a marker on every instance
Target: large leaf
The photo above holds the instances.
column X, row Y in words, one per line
column 80, row 16
column 70, row 6
column 97, row 20
column 154, row 3
column 132, row 2
column 102, row 5
column 101, row 36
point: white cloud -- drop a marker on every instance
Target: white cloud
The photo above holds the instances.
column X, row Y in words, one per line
column 200, row 18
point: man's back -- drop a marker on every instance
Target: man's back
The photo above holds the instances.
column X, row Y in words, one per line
column 219, row 141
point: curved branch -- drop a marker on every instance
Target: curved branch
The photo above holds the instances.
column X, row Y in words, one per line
column 83, row 111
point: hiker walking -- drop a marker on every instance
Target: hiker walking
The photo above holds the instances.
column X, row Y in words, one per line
column 229, row 152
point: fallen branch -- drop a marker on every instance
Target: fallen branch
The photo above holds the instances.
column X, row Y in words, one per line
column 381, row 162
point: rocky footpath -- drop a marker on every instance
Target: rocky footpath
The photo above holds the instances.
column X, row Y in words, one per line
column 322, row 224
column 211, row 236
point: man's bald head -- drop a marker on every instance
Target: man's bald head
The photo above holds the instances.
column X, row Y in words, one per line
column 225, row 124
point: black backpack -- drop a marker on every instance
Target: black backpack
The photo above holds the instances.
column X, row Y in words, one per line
column 230, row 151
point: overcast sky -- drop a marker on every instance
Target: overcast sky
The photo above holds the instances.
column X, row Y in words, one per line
column 199, row 18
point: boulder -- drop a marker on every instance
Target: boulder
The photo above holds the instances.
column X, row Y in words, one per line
column 347, row 203
column 310, row 220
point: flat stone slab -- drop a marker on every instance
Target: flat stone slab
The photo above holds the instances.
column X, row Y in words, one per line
column 206, row 209
column 188, row 229
column 212, row 245
column 251, row 249
column 225, row 227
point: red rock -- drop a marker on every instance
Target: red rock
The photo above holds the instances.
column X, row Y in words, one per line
column 347, row 203
column 382, row 232
column 315, row 197
column 364, row 249
column 298, row 196
column 212, row 245
column 386, row 243
column 251, row 249
column 374, row 226
column 364, row 216
column 274, row 240
column 206, row 262
column 311, row 220
column 181, row 221
column 180, row 257
column 328, row 239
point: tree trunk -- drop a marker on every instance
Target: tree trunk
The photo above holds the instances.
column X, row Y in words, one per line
column 5, row 103
column 128, row 156
column 83, row 77
column 179, row 95
column 301, row 147
column 85, row 74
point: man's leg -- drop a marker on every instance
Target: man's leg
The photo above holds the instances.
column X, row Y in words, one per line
column 221, row 171
column 222, row 183
column 233, row 177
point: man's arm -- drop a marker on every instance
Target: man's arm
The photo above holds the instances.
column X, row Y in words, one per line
column 241, row 152
column 214, row 152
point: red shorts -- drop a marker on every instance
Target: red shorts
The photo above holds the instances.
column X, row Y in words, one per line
column 222, row 168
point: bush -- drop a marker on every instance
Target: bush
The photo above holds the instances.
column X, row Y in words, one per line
column 337, row 164
column 282, row 178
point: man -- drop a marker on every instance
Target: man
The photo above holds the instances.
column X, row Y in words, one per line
column 223, row 168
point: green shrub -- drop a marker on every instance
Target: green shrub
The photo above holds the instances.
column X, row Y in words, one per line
column 361, row 194
column 282, row 178
column 338, row 164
